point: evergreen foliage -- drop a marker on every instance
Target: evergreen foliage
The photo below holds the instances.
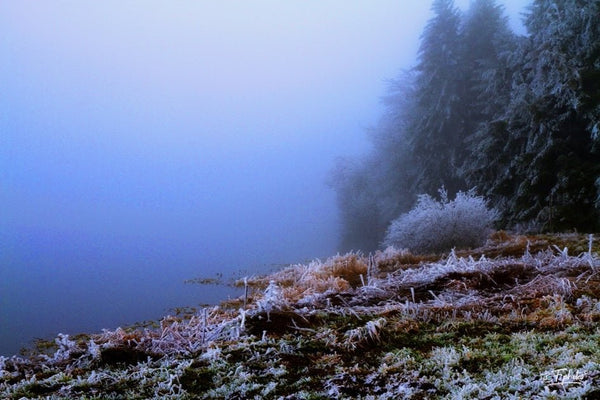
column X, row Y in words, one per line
column 558, row 165
column 517, row 117
column 436, row 127
column 372, row 191
column 488, row 49
column 361, row 223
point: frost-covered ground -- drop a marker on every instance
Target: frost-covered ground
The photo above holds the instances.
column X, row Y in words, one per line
column 516, row 319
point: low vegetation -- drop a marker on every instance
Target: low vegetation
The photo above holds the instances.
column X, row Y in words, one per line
column 434, row 226
column 514, row 319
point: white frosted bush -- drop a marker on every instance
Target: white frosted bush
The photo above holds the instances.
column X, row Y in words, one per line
column 273, row 299
column 437, row 226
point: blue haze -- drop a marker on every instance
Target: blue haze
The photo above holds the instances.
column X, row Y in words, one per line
column 143, row 143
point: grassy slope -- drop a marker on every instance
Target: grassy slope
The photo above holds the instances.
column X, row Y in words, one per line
column 517, row 318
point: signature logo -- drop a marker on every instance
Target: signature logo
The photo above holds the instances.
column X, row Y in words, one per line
column 563, row 377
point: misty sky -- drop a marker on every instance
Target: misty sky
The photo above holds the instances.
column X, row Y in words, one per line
column 184, row 137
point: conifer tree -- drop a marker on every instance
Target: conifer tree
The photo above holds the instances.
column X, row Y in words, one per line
column 437, row 130
column 361, row 227
column 484, row 39
column 372, row 191
column 553, row 118
column 489, row 52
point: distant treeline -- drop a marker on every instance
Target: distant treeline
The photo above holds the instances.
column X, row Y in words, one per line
column 516, row 117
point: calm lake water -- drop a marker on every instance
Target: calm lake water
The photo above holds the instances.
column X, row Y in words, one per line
column 77, row 259
column 53, row 283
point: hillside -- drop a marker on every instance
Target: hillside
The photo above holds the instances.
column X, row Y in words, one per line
column 515, row 319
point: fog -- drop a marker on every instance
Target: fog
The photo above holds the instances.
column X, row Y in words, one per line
column 145, row 143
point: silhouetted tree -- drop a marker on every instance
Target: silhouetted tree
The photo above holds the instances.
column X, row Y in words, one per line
column 374, row 190
column 436, row 131
column 552, row 119
column 490, row 52
column 360, row 217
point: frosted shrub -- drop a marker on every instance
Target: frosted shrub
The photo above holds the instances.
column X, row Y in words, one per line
column 436, row 226
column 273, row 299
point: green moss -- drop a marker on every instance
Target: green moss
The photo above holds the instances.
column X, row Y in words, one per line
column 197, row 379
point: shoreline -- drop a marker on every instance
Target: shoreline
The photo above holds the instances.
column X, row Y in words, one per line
column 518, row 316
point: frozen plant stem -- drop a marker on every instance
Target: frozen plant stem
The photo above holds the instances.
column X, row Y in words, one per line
column 204, row 325
column 370, row 267
column 245, row 291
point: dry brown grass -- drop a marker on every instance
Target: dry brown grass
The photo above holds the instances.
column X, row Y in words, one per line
column 337, row 274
